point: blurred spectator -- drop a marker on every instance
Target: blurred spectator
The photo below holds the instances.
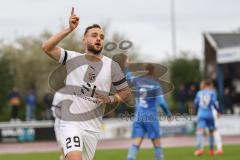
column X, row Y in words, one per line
column 236, row 84
column 191, row 95
column 31, row 103
column 15, row 103
column 182, row 99
column 228, row 101
column 47, row 100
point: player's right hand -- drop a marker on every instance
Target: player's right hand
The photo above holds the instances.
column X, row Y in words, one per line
column 73, row 20
column 102, row 99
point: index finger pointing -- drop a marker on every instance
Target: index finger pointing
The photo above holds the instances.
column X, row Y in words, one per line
column 72, row 12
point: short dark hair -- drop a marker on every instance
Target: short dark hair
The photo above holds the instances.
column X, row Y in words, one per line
column 208, row 82
column 90, row 27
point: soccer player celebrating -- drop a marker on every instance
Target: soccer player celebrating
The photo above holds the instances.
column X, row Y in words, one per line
column 91, row 76
column 146, row 122
column 204, row 101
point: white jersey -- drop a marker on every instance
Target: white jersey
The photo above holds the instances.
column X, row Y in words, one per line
column 91, row 77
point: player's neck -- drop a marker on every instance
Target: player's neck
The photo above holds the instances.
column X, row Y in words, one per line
column 93, row 57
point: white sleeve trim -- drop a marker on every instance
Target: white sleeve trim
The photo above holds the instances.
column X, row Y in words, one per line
column 61, row 56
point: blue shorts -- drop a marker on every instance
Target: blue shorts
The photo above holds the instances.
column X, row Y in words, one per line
column 206, row 123
column 149, row 129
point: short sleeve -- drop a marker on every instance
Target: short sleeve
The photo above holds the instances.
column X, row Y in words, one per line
column 118, row 78
column 66, row 55
column 58, row 97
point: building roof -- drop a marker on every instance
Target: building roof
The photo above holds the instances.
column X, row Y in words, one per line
column 224, row 40
column 223, row 47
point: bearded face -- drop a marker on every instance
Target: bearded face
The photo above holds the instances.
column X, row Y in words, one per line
column 94, row 40
column 95, row 48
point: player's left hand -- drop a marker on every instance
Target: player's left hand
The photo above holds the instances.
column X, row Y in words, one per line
column 102, row 99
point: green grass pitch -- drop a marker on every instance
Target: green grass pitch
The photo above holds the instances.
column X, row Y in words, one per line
column 231, row 152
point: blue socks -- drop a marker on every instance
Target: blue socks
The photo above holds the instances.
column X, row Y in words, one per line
column 200, row 139
column 211, row 141
column 158, row 153
column 132, row 152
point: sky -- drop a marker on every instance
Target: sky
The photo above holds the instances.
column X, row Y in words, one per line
column 146, row 23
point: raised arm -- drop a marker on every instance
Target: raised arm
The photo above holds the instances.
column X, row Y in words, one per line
column 50, row 45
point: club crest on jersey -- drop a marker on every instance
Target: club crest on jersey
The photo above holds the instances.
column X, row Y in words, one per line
column 91, row 76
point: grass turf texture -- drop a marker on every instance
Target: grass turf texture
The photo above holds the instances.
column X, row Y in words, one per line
column 231, row 152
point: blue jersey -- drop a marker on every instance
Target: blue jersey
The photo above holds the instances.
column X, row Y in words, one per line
column 204, row 102
column 148, row 96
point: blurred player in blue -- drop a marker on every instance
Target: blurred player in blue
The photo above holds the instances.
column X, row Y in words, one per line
column 204, row 102
column 148, row 96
